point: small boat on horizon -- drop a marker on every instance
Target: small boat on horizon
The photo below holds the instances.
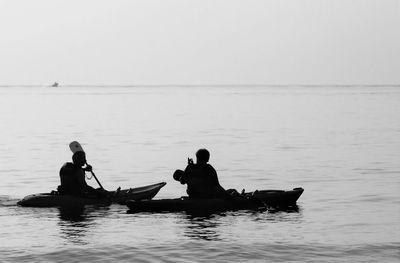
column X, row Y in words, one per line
column 55, row 84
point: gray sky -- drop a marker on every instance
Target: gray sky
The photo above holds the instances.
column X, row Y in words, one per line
column 199, row 42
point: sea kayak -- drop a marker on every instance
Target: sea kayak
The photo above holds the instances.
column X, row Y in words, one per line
column 245, row 201
column 54, row 199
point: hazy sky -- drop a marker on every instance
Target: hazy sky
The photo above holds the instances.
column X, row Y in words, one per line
column 200, row 42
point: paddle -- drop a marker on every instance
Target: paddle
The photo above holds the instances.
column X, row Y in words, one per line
column 97, row 180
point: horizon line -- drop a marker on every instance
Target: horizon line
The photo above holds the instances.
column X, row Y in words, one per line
column 202, row 85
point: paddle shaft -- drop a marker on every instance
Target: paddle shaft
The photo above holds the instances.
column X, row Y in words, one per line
column 97, row 180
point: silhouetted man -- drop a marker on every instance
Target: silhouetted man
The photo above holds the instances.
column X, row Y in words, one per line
column 72, row 175
column 201, row 178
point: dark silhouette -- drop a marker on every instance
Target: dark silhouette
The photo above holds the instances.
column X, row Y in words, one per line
column 201, row 178
column 72, row 175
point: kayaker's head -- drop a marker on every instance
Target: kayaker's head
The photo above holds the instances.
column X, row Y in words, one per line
column 79, row 158
column 202, row 156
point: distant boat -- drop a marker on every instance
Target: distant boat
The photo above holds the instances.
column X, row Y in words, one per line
column 55, row 84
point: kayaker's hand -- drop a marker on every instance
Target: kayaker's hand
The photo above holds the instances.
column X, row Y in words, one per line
column 88, row 168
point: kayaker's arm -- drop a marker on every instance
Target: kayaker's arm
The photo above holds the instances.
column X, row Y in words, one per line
column 180, row 175
column 90, row 169
column 185, row 174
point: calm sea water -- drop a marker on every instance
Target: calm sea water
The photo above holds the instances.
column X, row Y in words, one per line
column 339, row 143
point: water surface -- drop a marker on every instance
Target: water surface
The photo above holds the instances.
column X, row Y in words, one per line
column 339, row 143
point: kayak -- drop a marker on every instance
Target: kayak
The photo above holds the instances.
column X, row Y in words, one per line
column 244, row 201
column 54, row 199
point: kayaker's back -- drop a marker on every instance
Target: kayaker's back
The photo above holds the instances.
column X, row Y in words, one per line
column 202, row 181
column 72, row 179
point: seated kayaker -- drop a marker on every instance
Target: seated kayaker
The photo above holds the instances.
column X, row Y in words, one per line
column 72, row 175
column 201, row 178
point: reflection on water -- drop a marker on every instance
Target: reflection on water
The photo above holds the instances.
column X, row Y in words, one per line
column 292, row 214
column 73, row 214
column 201, row 226
column 76, row 222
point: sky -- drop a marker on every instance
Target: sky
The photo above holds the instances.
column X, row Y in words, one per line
column 204, row 42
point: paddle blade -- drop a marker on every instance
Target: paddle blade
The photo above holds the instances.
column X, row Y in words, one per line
column 76, row 147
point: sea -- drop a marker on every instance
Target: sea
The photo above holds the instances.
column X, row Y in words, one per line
column 340, row 143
